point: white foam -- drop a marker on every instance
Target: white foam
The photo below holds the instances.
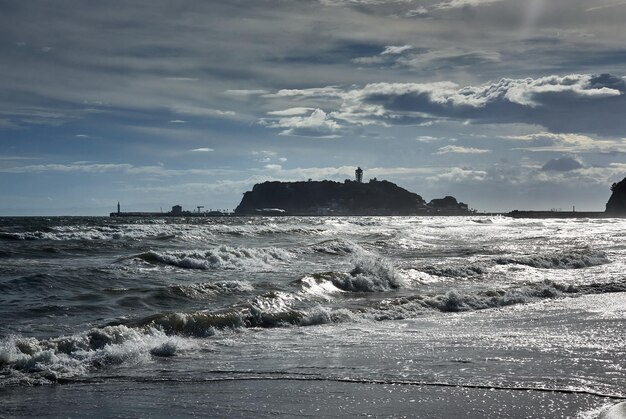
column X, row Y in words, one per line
column 319, row 287
column 222, row 257
column 76, row 355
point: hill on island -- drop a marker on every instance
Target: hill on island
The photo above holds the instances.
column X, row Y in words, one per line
column 347, row 198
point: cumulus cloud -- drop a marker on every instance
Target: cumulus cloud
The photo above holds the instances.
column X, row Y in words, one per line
column 459, row 175
column 577, row 103
column 317, row 124
column 564, row 164
column 460, row 150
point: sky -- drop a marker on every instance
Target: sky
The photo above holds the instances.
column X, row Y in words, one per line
column 504, row 104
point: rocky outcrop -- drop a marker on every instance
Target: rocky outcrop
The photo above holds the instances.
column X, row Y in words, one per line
column 617, row 202
column 447, row 204
column 336, row 198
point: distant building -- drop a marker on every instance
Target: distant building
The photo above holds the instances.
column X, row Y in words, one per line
column 358, row 174
column 177, row 210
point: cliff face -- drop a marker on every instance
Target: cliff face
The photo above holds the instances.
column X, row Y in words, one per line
column 327, row 197
column 617, row 202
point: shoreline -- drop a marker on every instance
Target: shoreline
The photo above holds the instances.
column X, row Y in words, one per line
column 512, row 214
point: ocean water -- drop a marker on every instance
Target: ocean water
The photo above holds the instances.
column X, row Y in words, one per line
column 312, row 316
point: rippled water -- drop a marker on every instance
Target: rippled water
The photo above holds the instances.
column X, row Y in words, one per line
column 475, row 302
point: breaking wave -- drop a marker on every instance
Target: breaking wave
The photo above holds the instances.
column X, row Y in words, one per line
column 463, row 271
column 336, row 247
column 34, row 361
column 212, row 288
column 223, row 257
column 370, row 274
column 269, row 310
column 569, row 259
column 456, row 301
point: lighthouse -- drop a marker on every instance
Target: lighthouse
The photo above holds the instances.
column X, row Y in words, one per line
column 358, row 174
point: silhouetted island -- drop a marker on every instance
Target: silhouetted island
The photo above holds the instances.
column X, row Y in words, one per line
column 352, row 197
column 617, row 202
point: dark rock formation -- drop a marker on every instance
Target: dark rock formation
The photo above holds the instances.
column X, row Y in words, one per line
column 448, row 204
column 617, row 202
column 347, row 198
column 327, row 197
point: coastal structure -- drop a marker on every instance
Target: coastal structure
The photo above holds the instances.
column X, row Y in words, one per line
column 176, row 211
column 358, row 174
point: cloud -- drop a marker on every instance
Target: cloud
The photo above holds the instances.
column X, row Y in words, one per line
column 126, row 168
column 245, row 92
column 605, row 6
column 577, row 103
column 202, row 150
column 273, row 167
column 267, row 156
column 309, row 93
column 567, row 143
column 393, row 49
column 459, row 175
column 292, row 111
column 448, row 5
column 201, row 111
column 428, row 139
column 317, row 124
column 419, row 11
column 564, row 164
column 460, row 150
column 455, row 4
column 17, row 158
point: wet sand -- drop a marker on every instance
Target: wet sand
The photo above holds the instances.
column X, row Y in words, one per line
column 258, row 397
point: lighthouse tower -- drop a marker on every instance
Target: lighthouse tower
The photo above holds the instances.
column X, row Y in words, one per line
column 358, row 174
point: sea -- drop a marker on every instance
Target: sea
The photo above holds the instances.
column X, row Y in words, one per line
column 312, row 317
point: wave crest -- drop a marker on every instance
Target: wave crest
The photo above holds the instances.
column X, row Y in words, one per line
column 31, row 360
column 568, row 259
column 223, row 257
